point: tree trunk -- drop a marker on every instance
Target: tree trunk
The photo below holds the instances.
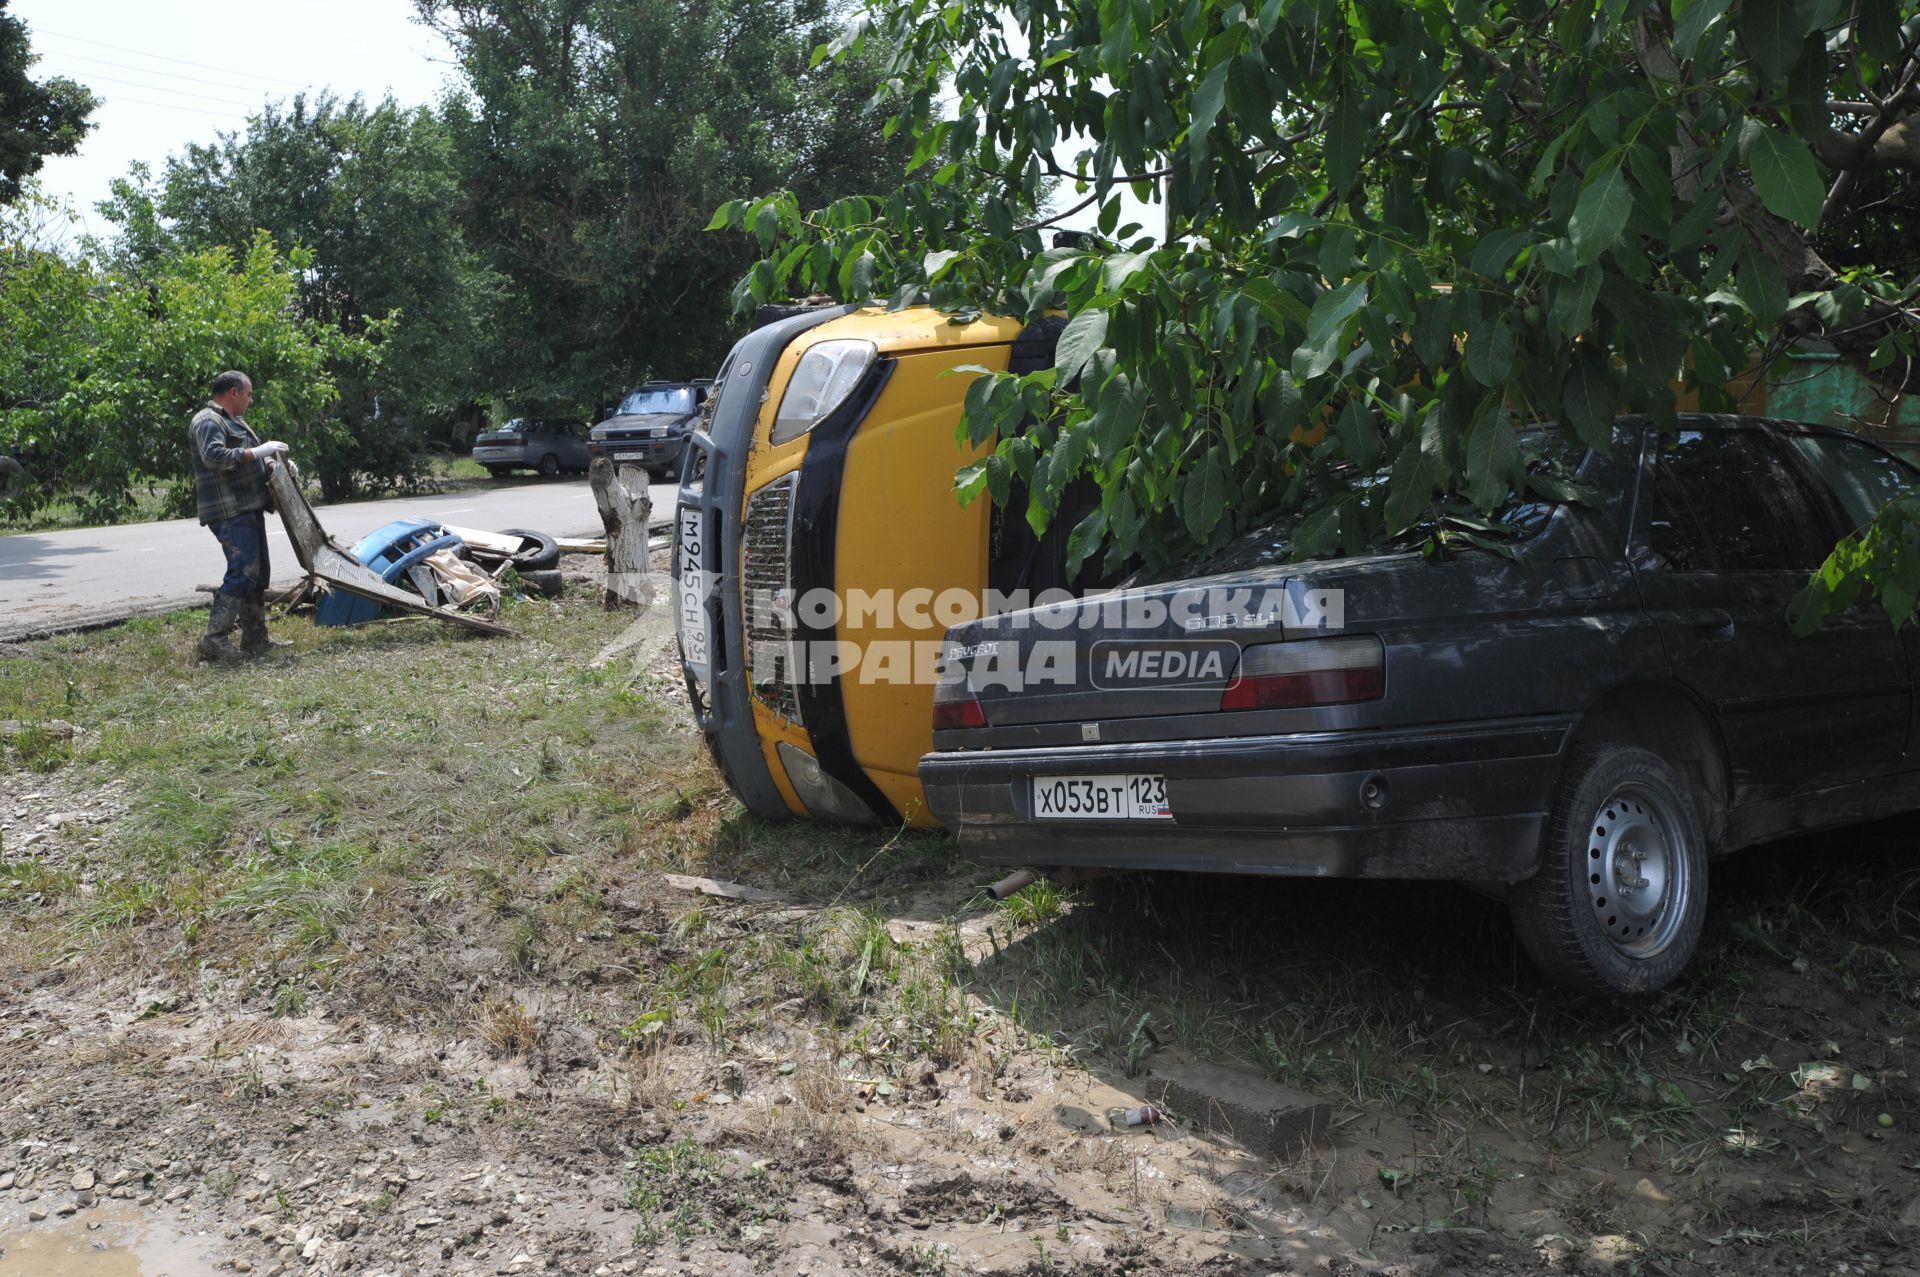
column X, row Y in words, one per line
column 624, row 511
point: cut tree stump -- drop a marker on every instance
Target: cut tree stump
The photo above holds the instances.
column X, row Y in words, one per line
column 621, row 494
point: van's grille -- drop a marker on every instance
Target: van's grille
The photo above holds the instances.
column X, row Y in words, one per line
column 765, row 544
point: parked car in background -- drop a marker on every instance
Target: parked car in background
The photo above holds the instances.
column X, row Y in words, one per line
column 649, row 428
column 1585, row 722
column 547, row 444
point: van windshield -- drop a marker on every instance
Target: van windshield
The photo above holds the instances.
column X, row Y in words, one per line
column 656, row 399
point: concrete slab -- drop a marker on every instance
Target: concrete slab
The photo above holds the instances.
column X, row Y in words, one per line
column 1265, row 1118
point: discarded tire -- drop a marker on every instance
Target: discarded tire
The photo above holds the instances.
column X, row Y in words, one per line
column 546, row 584
column 538, row 551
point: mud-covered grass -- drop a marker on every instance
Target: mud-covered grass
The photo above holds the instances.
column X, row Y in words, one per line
column 403, row 884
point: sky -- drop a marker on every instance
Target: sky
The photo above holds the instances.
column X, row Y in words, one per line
column 172, row 72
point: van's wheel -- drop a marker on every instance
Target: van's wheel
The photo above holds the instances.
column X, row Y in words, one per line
column 549, row 466
column 1621, row 895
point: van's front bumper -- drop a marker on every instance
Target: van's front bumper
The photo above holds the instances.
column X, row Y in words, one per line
column 1466, row 801
column 708, row 604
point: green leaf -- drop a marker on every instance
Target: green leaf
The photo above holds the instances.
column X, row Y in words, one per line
column 1317, row 532
column 1326, row 332
column 1410, row 488
column 1085, row 333
column 1359, row 434
column 1333, row 308
column 1495, row 251
column 1085, row 539
column 1347, row 137
column 1490, row 353
column 1600, row 215
column 1207, row 101
column 1280, row 405
column 723, row 215
column 1878, row 31
column 1493, row 454
column 1203, row 500
column 970, row 482
column 1771, row 31
column 1589, row 401
column 1691, row 18
column 1762, row 286
column 1787, row 176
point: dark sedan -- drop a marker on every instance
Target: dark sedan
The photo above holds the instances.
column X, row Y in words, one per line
column 1586, row 721
column 649, row 428
column 547, row 444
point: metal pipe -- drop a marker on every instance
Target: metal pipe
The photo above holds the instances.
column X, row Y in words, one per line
column 1018, row 880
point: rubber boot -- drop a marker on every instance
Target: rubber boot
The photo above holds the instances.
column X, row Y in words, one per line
column 254, row 639
column 216, row 646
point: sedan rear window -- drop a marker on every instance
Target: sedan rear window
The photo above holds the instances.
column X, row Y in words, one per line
column 1271, row 543
column 1862, row 476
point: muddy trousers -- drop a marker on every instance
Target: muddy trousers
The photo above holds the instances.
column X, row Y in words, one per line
column 243, row 538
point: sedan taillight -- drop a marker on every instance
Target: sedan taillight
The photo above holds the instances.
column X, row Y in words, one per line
column 948, row 715
column 954, row 704
column 1308, row 672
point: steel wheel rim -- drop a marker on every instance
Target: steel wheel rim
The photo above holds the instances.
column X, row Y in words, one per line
column 1636, row 872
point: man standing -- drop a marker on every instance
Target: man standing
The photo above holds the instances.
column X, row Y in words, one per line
column 230, row 488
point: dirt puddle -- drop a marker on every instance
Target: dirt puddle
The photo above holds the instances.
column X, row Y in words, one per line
column 110, row 1242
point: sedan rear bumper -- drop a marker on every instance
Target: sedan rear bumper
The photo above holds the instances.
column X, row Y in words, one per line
column 1458, row 802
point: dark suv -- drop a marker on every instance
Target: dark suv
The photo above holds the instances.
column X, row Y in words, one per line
column 1586, row 721
column 650, row 426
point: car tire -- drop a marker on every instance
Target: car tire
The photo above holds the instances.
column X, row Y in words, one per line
column 538, row 552
column 546, row 583
column 1620, row 898
column 549, row 466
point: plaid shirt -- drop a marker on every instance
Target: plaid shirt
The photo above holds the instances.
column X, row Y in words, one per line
column 226, row 481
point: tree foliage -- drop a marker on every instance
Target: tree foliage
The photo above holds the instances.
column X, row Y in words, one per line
column 1393, row 228
column 102, row 369
column 371, row 194
column 38, row 118
column 594, row 137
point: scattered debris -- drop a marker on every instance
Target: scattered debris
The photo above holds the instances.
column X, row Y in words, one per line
column 333, row 567
column 724, row 890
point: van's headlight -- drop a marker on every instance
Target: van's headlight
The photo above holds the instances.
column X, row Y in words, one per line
column 827, row 374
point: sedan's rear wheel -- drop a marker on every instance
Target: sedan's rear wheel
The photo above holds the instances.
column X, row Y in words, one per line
column 1621, row 895
column 549, row 466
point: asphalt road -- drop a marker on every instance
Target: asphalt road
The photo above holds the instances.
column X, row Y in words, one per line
column 52, row 581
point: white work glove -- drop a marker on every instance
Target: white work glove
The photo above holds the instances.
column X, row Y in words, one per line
column 271, row 448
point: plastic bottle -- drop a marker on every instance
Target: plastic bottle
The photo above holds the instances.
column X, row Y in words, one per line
column 1145, row 1115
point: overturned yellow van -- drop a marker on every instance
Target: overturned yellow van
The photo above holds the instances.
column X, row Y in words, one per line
column 819, row 554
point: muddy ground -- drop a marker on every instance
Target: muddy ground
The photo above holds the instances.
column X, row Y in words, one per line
column 875, row 1070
